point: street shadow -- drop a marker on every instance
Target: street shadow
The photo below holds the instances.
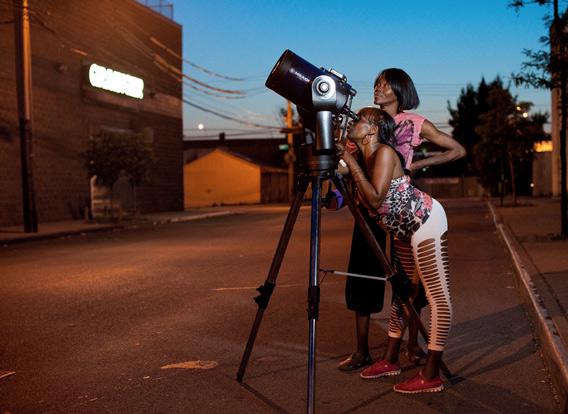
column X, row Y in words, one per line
column 367, row 402
column 484, row 336
column 475, row 397
column 476, row 346
column 293, row 367
column 478, row 398
column 263, row 398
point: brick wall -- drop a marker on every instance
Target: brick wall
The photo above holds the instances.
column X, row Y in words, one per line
column 66, row 37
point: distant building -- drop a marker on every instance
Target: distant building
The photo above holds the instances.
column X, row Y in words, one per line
column 96, row 66
column 222, row 177
column 269, row 151
column 239, row 171
column 542, row 169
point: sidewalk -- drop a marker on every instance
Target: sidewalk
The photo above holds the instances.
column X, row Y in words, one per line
column 16, row 234
column 531, row 234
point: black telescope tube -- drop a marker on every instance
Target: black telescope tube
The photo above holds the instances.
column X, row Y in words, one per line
column 291, row 78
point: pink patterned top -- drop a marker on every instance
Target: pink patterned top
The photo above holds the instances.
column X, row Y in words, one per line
column 404, row 209
column 407, row 133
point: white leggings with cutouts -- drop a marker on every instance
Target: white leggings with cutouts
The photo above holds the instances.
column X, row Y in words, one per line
column 426, row 257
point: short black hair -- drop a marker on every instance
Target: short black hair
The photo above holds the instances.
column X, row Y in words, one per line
column 402, row 86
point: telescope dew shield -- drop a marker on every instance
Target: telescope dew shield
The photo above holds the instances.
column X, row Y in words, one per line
column 291, row 78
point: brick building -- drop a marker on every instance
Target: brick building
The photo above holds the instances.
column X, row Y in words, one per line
column 71, row 102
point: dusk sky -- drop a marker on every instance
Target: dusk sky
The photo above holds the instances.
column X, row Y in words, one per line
column 442, row 44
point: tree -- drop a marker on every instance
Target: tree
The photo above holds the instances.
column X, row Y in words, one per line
column 507, row 135
column 137, row 163
column 104, row 160
column 112, row 155
column 493, row 130
column 465, row 117
column 548, row 69
column 496, row 131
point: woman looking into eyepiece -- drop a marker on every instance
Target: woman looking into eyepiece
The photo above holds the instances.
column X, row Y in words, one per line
column 395, row 93
column 419, row 225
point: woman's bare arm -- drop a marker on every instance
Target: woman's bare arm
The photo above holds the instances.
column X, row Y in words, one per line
column 374, row 189
column 453, row 149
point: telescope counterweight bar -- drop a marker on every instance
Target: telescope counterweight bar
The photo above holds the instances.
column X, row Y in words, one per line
column 336, row 272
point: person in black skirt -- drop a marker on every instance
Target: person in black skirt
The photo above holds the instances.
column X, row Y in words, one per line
column 394, row 92
column 363, row 296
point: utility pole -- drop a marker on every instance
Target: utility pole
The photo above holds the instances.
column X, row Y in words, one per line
column 290, row 157
column 24, row 84
column 560, row 47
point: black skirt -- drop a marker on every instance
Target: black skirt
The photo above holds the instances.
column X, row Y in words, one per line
column 363, row 295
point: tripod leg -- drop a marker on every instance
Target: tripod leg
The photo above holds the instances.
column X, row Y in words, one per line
column 400, row 288
column 313, row 290
column 270, row 282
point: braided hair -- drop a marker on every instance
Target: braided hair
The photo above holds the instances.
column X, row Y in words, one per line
column 386, row 125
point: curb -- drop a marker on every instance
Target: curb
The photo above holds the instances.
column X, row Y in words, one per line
column 181, row 219
column 151, row 221
column 541, row 308
column 55, row 235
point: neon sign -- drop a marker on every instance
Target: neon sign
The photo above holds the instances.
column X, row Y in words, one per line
column 114, row 81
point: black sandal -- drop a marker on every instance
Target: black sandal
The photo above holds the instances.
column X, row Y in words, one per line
column 415, row 355
column 355, row 361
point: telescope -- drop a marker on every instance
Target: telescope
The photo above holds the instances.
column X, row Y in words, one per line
column 321, row 95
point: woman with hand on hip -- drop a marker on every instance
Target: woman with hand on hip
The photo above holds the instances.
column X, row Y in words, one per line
column 418, row 224
column 395, row 93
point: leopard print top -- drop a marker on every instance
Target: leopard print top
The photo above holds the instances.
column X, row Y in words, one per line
column 404, row 209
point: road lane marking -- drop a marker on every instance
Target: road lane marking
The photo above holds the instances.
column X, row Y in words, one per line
column 198, row 364
column 4, row 374
column 252, row 287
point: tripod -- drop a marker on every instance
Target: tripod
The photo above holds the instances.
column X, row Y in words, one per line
column 321, row 170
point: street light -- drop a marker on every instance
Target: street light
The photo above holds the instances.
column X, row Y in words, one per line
column 523, row 109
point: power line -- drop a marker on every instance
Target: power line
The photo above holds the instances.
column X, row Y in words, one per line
column 158, row 43
column 74, row 46
column 240, row 121
column 130, row 38
column 241, row 134
column 161, row 61
column 209, row 72
column 230, row 109
column 157, row 59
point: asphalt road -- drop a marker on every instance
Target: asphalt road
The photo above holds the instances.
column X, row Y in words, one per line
column 155, row 320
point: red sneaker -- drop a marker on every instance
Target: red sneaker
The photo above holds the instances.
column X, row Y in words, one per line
column 381, row 368
column 418, row 384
